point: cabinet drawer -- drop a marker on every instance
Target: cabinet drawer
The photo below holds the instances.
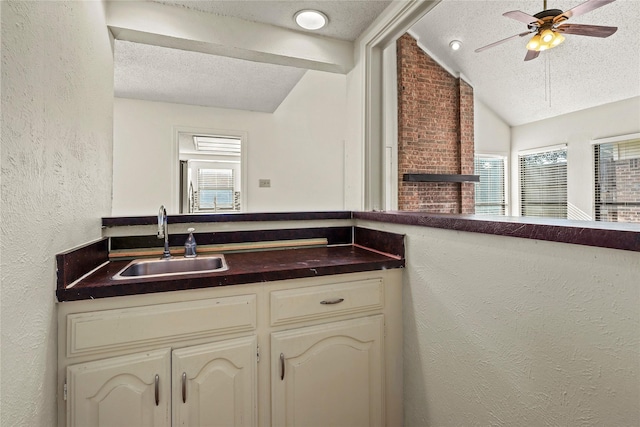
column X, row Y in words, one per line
column 316, row 302
column 137, row 326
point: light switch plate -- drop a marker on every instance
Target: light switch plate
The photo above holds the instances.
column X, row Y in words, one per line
column 264, row 183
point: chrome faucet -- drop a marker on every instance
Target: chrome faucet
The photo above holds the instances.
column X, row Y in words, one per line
column 163, row 231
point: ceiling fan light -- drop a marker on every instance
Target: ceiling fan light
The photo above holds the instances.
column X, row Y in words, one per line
column 547, row 36
column 557, row 40
column 534, row 43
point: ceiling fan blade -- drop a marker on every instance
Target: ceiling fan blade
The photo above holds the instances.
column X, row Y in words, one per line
column 502, row 41
column 531, row 54
column 523, row 17
column 587, row 30
column 581, row 9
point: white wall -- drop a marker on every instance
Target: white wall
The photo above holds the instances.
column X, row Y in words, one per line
column 577, row 130
column 57, row 96
column 492, row 136
column 516, row 332
column 299, row 147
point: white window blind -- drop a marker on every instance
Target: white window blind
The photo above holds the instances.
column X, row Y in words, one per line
column 617, row 181
column 543, row 184
column 490, row 191
column 215, row 189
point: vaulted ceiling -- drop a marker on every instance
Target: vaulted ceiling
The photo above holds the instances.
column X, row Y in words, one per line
column 582, row 72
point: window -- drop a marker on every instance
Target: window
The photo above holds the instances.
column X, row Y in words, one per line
column 214, row 189
column 617, row 181
column 543, row 183
column 490, row 191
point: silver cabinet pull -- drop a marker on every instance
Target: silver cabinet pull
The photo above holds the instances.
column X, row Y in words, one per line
column 332, row 301
column 157, row 389
column 184, row 387
column 281, row 366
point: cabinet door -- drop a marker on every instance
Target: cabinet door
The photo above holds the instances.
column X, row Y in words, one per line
column 216, row 384
column 329, row 375
column 132, row 391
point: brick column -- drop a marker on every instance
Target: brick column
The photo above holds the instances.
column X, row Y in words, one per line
column 435, row 132
column 467, row 190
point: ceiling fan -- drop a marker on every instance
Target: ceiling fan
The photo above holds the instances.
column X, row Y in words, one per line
column 549, row 27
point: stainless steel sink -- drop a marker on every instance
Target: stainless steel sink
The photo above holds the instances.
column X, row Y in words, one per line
column 142, row 268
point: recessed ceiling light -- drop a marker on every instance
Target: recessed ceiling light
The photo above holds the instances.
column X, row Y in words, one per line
column 455, row 44
column 310, row 19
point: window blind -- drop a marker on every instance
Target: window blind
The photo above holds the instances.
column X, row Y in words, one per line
column 490, row 191
column 543, row 184
column 215, row 189
column 617, row 181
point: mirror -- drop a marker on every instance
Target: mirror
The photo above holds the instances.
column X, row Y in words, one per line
column 296, row 143
column 302, row 147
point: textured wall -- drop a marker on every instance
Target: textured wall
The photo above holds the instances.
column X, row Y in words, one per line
column 57, row 103
column 502, row 331
column 435, row 132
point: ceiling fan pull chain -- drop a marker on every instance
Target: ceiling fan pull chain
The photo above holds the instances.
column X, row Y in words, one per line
column 547, row 82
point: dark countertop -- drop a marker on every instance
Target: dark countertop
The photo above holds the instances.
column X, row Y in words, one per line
column 346, row 252
column 624, row 236
column 246, row 267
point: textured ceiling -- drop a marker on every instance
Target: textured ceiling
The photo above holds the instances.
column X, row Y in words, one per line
column 155, row 73
column 581, row 73
column 347, row 18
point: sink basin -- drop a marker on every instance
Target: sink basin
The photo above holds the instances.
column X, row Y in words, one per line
column 142, row 268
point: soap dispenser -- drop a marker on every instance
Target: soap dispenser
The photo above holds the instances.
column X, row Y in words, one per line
column 190, row 245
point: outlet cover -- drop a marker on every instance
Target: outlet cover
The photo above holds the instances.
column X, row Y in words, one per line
column 264, row 183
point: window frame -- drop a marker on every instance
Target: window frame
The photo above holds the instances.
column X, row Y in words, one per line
column 182, row 131
column 538, row 151
column 505, row 159
column 619, row 139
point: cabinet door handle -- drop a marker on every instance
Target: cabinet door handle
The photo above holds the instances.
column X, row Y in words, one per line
column 184, row 387
column 281, row 366
column 157, row 389
column 332, row 301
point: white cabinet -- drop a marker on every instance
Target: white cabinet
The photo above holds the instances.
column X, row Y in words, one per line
column 216, row 353
column 329, row 375
column 131, row 390
column 216, row 384
column 213, row 385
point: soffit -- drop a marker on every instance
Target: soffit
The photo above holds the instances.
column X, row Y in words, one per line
column 155, row 73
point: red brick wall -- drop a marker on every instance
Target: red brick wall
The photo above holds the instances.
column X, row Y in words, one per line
column 435, row 132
